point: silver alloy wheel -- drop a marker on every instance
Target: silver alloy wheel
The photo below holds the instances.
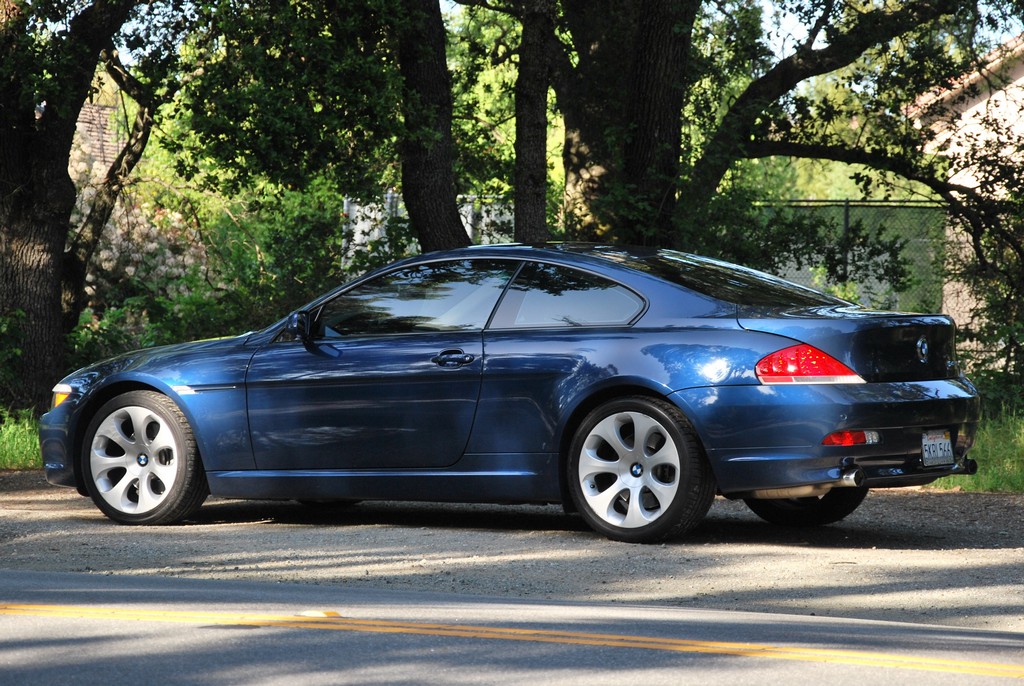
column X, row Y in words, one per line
column 629, row 469
column 134, row 456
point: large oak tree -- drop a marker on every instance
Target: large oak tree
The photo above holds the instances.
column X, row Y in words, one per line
column 49, row 55
column 48, row 59
column 661, row 100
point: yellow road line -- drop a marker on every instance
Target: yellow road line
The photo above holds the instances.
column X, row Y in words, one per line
column 335, row 622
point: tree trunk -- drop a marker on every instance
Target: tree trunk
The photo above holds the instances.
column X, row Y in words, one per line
column 36, row 193
column 531, row 95
column 37, row 200
column 651, row 159
column 428, row 177
column 621, row 102
column 592, row 93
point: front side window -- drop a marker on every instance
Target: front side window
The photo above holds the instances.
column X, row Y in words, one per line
column 443, row 296
column 544, row 296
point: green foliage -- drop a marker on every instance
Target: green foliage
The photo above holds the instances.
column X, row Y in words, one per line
column 113, row 330
column 730, row 49
column 999, row 451
column 285, row 247
column 396, row 240
column 19, row 440
column 297, row 243
column 298, row 91
column 483, row 80
column 987, row 261
column 263, row 255
column 11, row 331
column 994, row 339
column 290, row 91
column 847, row 290
column 857, row 253
column 774, row 237
column 999, row 387
column 770, row 240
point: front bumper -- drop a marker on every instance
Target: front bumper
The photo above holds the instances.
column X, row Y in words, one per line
column 55, row 432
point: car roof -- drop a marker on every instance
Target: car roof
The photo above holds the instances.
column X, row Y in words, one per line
column 723, row 281
column 578, row 253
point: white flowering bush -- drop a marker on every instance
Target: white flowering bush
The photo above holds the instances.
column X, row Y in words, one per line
column 144, row 251
column 147, row 257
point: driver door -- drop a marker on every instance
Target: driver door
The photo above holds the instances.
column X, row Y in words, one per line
column 389, row 377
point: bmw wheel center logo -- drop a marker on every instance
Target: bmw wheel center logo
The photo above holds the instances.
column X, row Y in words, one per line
column 637, row 469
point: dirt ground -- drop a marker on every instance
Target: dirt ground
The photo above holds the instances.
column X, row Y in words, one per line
column 917, row 555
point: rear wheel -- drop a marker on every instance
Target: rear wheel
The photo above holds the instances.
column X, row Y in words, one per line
column 816, row 511
column 636, row 471
column 140, row 461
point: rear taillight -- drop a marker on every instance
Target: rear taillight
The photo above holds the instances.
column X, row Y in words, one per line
column 804, row 364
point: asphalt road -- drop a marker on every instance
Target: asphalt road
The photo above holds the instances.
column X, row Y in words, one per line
column 88, row 629
column 915, row 586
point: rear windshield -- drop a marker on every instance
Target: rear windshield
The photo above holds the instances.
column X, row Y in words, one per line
column 729, row 282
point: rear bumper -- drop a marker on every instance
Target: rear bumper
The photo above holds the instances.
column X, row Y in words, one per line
column 769, row 437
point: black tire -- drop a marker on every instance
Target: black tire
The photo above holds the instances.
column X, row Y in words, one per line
column 140, row 461
column 639, row 491
column 806, row 512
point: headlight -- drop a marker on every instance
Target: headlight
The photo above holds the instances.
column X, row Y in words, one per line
column 60, row 393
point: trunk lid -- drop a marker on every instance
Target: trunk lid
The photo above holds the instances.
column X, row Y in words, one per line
column 880, row 346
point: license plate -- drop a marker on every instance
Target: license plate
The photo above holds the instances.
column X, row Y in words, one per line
column 936, row 448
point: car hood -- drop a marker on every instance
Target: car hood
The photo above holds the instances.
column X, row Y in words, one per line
column 208, row 362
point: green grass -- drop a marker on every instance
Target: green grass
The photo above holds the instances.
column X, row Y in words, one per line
column 19, row 440
column 999, row 450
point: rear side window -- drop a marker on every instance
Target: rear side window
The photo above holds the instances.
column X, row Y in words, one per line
column 545, row 296
column 732, row 283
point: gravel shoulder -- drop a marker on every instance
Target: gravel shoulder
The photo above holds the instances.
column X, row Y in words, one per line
column 912, row 555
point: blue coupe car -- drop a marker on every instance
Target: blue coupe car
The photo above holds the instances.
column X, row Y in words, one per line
column 630, row 385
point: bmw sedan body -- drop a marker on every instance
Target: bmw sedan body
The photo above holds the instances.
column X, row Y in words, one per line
column 630, row 385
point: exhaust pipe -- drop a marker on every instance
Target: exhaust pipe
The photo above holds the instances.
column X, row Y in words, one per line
column 970, row 466
column 851, row 477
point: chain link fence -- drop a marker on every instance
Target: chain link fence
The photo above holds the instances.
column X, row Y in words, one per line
column 920, row 227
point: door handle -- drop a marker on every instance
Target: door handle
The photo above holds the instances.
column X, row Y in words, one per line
column 450, row 359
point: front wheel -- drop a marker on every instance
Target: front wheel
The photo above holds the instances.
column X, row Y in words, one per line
column 814, row 511
column 636, row 471
column 140, row 461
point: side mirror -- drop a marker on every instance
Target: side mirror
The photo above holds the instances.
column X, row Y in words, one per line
column 298, row 325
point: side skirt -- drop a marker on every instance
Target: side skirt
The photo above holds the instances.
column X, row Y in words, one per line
column 474, row 479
